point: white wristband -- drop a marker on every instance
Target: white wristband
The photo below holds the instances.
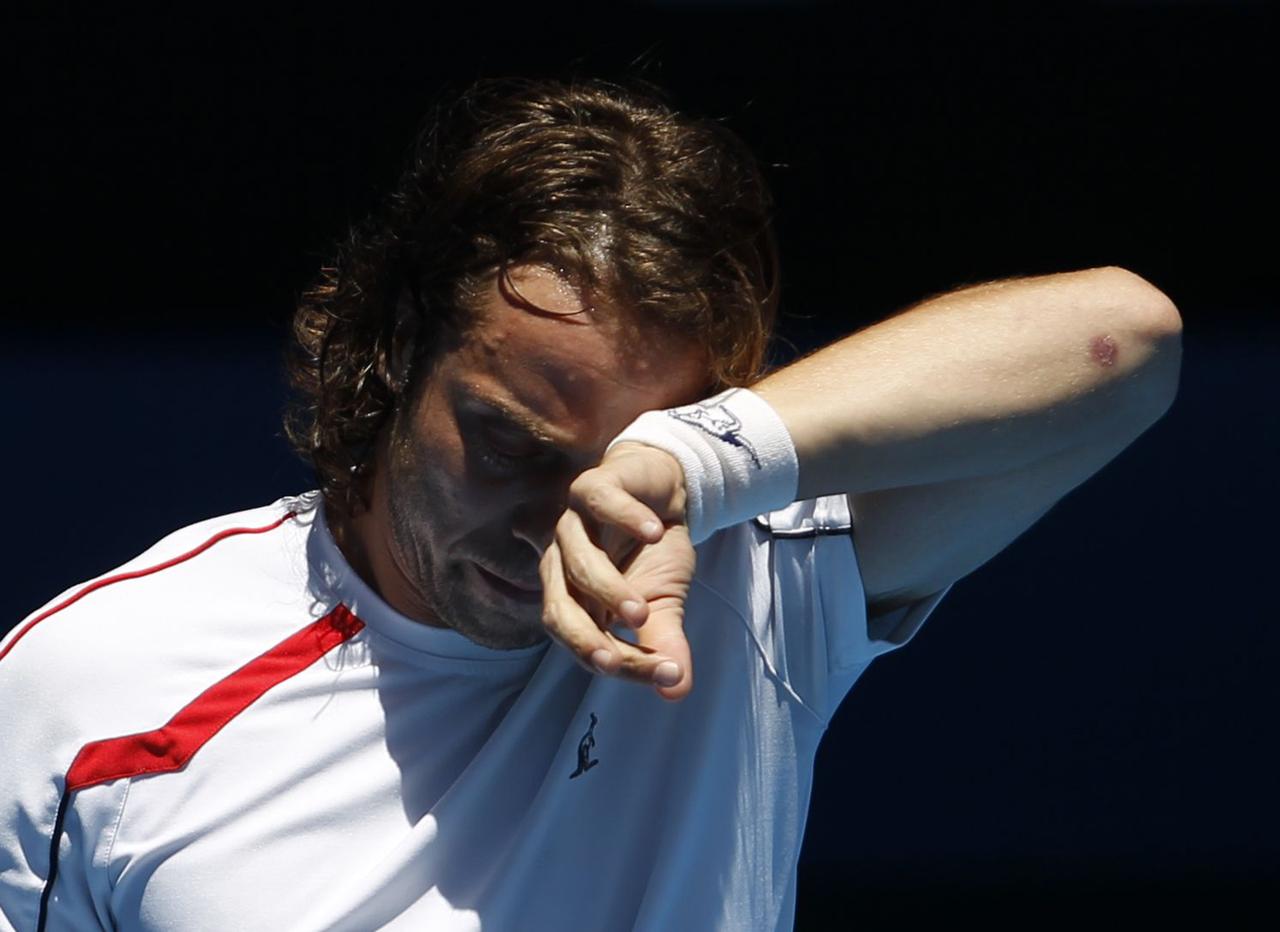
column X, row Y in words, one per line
column 738, row 457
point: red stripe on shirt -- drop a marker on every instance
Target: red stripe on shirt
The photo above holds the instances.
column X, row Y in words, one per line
column 134, row 574
column 171, row 746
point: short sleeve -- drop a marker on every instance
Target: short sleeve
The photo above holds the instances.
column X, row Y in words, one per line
column 820, row 603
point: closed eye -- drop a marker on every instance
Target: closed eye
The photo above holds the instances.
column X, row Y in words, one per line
column 502, row 443
column 494, row 455
column 509, row 449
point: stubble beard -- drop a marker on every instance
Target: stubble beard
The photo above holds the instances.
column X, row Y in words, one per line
column 445, row 587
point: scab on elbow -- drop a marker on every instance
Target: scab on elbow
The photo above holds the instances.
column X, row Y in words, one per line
column 1103, row 351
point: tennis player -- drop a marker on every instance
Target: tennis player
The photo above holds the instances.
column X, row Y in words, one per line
column 554, row 641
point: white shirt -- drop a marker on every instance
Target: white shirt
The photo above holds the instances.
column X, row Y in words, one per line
column 232, row 731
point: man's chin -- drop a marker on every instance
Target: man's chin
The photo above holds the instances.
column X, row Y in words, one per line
column 496, row 623
column 495, row 635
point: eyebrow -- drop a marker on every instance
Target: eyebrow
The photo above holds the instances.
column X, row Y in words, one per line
column 518, row 417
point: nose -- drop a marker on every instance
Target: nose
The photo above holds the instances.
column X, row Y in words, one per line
column 534, row 519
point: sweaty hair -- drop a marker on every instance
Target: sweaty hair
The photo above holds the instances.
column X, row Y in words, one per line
column 666, row 214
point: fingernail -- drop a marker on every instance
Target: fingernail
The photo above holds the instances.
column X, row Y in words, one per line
column 651, row 528
column 667, row 673
column 600, row 660
column 632, row 609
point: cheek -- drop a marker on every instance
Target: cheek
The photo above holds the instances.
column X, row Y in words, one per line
column 438, row 495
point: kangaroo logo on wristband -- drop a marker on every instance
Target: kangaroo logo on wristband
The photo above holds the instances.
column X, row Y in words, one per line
column 719, row 422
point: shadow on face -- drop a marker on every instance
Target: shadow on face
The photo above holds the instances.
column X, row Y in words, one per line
column 478, row 464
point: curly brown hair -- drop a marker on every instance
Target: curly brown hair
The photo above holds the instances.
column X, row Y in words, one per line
column 669, row 215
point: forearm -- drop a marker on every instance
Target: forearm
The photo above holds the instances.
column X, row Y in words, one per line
column 980, row 381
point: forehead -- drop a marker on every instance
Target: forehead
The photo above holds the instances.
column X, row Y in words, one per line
column 572, row 361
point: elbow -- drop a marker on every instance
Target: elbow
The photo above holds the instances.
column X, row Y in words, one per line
column 1155, row 310
column 1158, row 326
column 1165, row 372
column 1162, row 370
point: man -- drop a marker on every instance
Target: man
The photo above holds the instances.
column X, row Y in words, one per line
column 524, row 390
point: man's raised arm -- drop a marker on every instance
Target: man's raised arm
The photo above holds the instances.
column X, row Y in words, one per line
column 951, row 426
column 958, row 423
column 981, row 381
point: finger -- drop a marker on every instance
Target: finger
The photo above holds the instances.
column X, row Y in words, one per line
column 566, row 621
column 663, row 635
column 609, row 504
column 589, row 570
column 641, row 664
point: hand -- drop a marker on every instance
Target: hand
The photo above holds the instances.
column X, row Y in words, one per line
column 622, row 539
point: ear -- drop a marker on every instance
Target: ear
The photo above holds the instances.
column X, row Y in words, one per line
column 396, row 360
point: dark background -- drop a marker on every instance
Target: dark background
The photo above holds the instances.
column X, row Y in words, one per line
column 1086, row 727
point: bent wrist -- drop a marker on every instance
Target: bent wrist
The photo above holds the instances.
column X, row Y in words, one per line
column 734, row 452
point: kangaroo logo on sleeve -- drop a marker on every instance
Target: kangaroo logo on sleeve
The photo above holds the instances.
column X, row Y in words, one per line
column 588, row 741
column 719, row 422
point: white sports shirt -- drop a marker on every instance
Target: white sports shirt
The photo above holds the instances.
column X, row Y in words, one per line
column 232, row 731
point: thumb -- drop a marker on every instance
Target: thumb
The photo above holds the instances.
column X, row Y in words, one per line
column 663, row 635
